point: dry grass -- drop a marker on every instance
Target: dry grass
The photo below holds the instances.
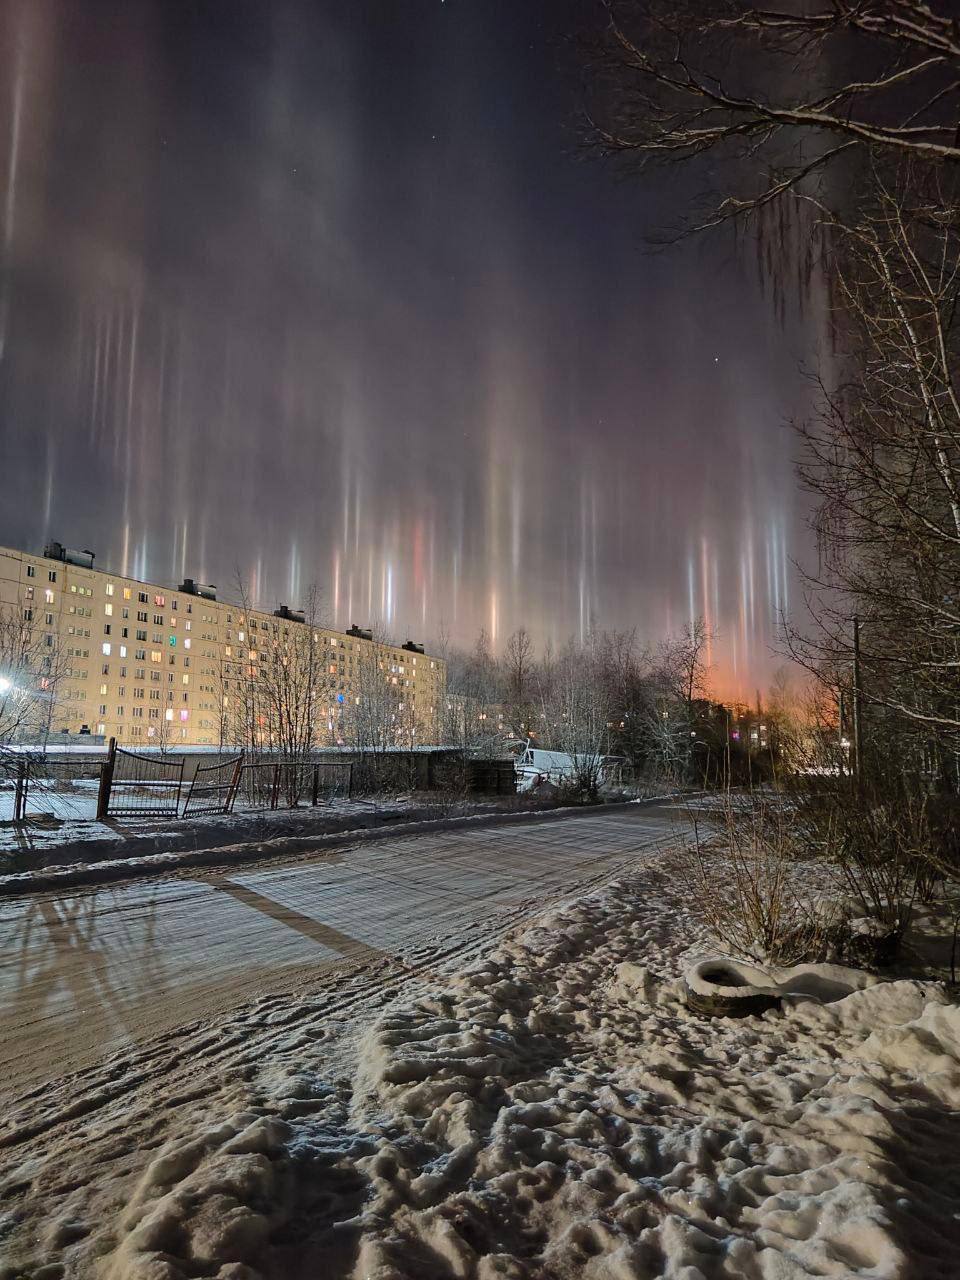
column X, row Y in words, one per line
column 744, row 877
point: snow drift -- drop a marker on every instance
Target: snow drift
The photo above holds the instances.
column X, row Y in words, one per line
column 557, row 1111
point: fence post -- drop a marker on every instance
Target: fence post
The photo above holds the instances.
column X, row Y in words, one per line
column 234, row 785
column 275, row 790
column 176, row 807
column 350, row 781
column 316, row 785
column 106, row 781
column 20, row 795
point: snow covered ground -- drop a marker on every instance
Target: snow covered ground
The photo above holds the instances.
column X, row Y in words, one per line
column 69, row 817
column 68, row 833
column 548, row 1108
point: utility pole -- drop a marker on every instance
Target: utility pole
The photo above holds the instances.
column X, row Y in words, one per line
column 840, row 734
column 857, row 706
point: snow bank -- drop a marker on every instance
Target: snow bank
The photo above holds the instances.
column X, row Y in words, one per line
column 557, row 1111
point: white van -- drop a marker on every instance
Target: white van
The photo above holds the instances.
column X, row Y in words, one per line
column 535, row 766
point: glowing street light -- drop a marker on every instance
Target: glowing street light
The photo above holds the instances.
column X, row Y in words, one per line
column 6, row 686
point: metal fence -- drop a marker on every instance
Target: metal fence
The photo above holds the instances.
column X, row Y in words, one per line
column 383, row 773
column 213, row 788
column 258, row 786
column 135, row 786
column 45, row 787
column 285, row 784
column 117, row 783
column 331, row 781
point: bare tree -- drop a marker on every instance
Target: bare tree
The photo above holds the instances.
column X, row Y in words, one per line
column 243, row 711
column 517, row 669
column 840, row 121
column 294, row 687
column 680, row 681
column 474, row 694
column 372, row 721
column 625, row 670
column 883, row 459
column 769, row 91
column 575, row 711
column 29, row 671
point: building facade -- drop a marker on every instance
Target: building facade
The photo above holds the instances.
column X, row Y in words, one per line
column 153, row 665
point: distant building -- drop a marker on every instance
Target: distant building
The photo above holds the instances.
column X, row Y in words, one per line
column 146, row 663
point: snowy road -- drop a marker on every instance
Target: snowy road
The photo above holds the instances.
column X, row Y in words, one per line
column 100, row 971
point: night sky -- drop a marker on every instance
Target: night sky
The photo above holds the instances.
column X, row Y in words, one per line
column 314, row 290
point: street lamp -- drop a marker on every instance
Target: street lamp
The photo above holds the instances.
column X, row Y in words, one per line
column 6, row 686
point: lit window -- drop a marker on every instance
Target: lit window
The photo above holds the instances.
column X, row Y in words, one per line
column 105, row 648
column 186, row 643
column 101, row 729
column 184, row 715
column 241, row 635
column 48, row 596
column 186, row 679
column 168, row 714
column 156, row 655
column 108, row 610
column 103, row 690
column 123, row 651
column 109, row 588
column 173, row 641
column 127, row 593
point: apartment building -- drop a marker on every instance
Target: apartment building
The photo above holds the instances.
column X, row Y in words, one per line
column 150, row 664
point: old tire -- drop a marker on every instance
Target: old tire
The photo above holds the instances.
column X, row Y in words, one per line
column 722, row 988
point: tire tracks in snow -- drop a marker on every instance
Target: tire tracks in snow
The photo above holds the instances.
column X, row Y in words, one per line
column 86, row 1136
